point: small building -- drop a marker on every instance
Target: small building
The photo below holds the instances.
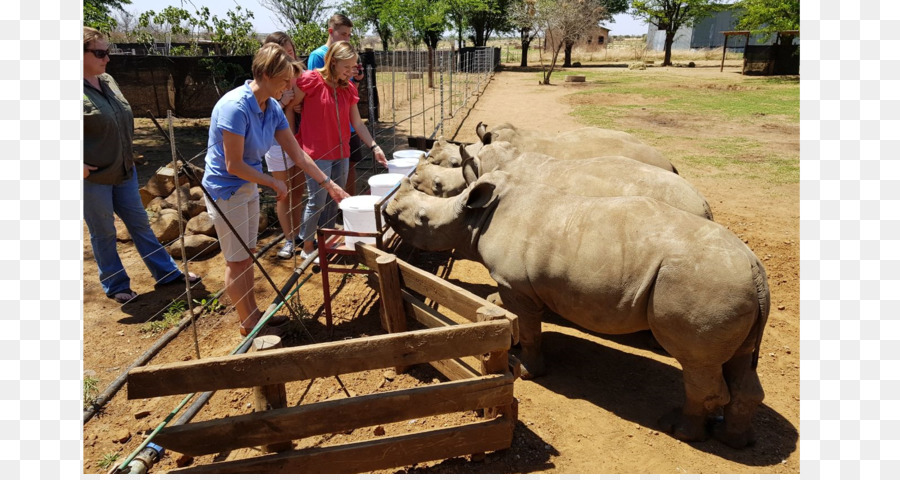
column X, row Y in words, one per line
column 592, row 39
column 705, row 33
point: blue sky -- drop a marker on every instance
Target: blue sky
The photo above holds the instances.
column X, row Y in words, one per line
column 264, row 20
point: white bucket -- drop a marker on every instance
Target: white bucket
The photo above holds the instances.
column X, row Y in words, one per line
column 403, row 166
column 408, row 154
column 359, row 216
column 382, row 183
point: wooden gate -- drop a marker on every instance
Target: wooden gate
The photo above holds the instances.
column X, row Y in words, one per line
column 473, row 354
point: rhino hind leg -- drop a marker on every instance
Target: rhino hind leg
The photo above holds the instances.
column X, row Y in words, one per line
column 746, row 394
column 705, row 393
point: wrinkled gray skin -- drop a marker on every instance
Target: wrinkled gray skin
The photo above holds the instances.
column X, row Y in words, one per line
column 610, row 176
column 588, row 142
column 613, row 265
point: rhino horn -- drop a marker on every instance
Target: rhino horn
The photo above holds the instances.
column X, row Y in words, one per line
column 471, row 169
column 480, row 130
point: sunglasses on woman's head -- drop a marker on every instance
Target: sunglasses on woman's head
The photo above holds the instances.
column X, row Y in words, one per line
column 98, row 53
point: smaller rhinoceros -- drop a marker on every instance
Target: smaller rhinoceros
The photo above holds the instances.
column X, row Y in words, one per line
column 610, row 176
column 613, row 265
column 446, row 154
column 587, row 142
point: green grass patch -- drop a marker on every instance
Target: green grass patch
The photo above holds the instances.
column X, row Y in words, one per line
column 170, row 319
column 89, row 390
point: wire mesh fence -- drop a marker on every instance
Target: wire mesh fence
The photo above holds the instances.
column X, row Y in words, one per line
column 416, row 94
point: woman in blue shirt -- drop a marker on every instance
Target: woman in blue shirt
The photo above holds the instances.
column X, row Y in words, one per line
column 241, row 130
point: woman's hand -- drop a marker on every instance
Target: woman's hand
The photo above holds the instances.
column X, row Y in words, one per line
column 286, row 97
column 379, row 156
column 337, row 193
column 88, row 169
column 280, row 189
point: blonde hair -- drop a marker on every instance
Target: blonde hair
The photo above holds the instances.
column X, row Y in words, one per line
column 270, row 61
column 342, row 50
column 92, row 34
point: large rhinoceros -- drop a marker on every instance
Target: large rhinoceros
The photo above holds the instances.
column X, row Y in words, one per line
column 610, row 176
column 613, row 265
column 587, row 142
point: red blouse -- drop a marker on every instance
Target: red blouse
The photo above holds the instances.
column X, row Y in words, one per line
column 319, row 120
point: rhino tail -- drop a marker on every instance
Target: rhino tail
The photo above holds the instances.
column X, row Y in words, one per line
column 764, row 299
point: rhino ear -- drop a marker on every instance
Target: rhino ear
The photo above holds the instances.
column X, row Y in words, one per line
column 471, row 169
column 480, row 130
column 487, row 138
column 481, row 195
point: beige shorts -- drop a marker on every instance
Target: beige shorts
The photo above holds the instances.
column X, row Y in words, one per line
column 277, row 160
column 242, row 210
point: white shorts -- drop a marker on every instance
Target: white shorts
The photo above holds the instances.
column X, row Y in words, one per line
column 242, row 210
column 277, row 160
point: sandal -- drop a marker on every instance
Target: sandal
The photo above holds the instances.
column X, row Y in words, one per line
column 123, row 296
column 192, row 278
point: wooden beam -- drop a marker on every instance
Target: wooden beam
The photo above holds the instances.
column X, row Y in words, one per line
column 270, row 397
column 337, row 415
column 447, row 294
column 455, row 369
column 490, row 435
column 320, row 360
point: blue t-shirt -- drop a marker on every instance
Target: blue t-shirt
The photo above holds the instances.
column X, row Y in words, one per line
column 317, row 60
column 238, row 113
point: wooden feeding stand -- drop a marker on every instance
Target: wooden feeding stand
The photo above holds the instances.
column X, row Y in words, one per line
column 332, row 247
column 485, row 334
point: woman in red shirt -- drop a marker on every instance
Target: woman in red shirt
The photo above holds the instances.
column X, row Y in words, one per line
column 329, row 108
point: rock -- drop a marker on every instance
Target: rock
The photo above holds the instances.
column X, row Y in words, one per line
column 146, row 196
column 182, row 460
column 575, row 78
column 162, row 183
column 194, row 245
column 172, row 199
column 263, row 222
column 139, row 414
column 196, row 193
column 379, row 431
column 390, row 375
column 165, row 226
column 201, row 224
column 121, row 436
column 157, row 204
column 781, row 307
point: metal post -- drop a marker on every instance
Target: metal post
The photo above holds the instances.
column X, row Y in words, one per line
column 442, row 94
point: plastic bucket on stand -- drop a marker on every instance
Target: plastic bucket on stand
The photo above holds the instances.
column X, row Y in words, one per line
column 408, row 154
column 403, row 166
column 382, row 183
column 359, row 216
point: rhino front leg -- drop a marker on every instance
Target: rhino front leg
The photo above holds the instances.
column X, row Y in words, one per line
column 530, row 317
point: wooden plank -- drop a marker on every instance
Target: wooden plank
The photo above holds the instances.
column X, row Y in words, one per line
column 270, row 397
column 389, row 289
column 320, row 360
column 451, row 296
column 336, row 415
column 455, row 369
column 490, row 435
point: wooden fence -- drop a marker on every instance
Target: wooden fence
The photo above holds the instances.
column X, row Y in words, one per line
column 473, row 354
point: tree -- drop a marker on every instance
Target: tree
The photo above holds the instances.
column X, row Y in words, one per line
column 97, row 13
column 563, row 20
column 670, row 15
column 523, row 18
column 293, row 13
column 487, row 18
column 422, row 21
column 377, row 14
column 769, row 16
column 457, row 14
column 612, row 7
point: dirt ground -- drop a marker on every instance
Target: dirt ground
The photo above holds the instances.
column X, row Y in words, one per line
column 596, row 409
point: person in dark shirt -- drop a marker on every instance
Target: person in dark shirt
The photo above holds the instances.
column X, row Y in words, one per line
column 110, row 179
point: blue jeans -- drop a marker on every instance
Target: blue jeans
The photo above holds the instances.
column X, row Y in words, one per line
column 320, row 208
column 100, row 202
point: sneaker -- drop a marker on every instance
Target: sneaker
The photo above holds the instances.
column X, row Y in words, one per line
column 287, row 251
column 305, row 255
